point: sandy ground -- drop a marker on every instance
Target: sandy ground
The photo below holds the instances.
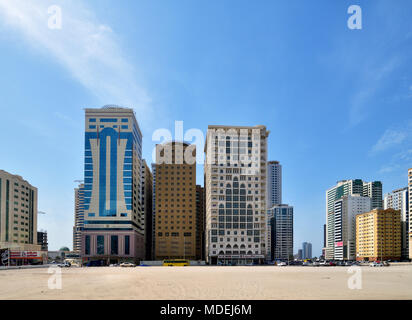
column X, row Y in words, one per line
column 254, row 282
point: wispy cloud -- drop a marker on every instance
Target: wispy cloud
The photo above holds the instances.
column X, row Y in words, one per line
column 87, row 48
column 371, row 79
column 389, row 139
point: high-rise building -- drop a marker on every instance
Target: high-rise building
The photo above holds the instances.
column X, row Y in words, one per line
column 300, row 254
column 274, row 183
column 42, row 240
column 345, row 211
column 78, row 218
column 175, row 201
column 113, row 216
column 146, row 188
column 235, row 183
column 306, row 250
column 399, row 200
column 200, row 223
column 373, row 190
column 18, row 213
column 410, row 211
column 280, row 232
column 344, row 188
column 378, row 235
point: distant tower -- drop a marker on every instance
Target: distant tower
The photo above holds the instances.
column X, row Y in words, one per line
column 78, row 218
column 274, row 183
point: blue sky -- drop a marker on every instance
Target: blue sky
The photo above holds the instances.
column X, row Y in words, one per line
column 337, row 101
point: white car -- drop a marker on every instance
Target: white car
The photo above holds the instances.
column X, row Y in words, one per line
column 376, row 264
column 127, row 264
column 282, row 264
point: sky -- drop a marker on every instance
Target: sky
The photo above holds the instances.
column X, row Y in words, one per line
column 337, row 101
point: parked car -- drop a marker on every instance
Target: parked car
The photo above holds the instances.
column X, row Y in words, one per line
column 306, row 263
column 348, row 263
column 386, row 264
column 127, row 264
column 64, row 265
column 316, row 263
column 282, row 264
column 332, row 264
column 376, row 264
column 323, row 263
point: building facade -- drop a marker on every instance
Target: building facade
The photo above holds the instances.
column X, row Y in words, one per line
column 18, row 213
column 373, row 190
column 146, row 200
column 410, row 211
column 345, row 211
column 378, row 235
column 306, row 250
column 274, row 183
column 200, row 223
column 235, row 183
column 280, row 232
column 344, row 188
column 399, row 200
column 113, row 216
column 175, row 201
column 42, row 240
column 78, row 218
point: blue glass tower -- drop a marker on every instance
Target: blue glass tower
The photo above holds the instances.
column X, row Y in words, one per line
column 113, row 216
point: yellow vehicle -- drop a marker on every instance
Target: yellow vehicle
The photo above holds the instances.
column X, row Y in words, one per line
column 175, row 263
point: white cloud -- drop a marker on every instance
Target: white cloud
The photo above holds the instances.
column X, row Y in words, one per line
column 88, row 49
column 389, row 139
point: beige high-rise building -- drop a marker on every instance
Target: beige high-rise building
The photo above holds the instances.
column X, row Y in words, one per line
column 235, row 182
column 410, row 211
column 18, row 213
column 175, row 201
column 378, row 235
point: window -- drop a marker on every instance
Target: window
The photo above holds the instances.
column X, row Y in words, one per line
column 114, row 245
column 87, row 245
column 127, row 245
column 100, row 244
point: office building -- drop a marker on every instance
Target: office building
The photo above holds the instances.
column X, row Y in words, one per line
column 235, row 183
column 399, row 200
column 78, row 218
column 18, row 213
column 410, row 211
column 300, row 254
column 345, row 211
column 175, row 201
column 280, row 232
column 306, row 250
column 274, row 183
column 146, row 188
column 344, row 188
column 200, row 223
column 378, row 235
column 113, row 216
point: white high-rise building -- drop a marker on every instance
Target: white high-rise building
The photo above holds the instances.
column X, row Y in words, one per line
column 78, row 218
column 235, row 182
column 274, row 184
column 399, row 200
column 372, row 190
column 345, row 211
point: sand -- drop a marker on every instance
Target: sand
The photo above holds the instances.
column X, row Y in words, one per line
column 209, row 282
